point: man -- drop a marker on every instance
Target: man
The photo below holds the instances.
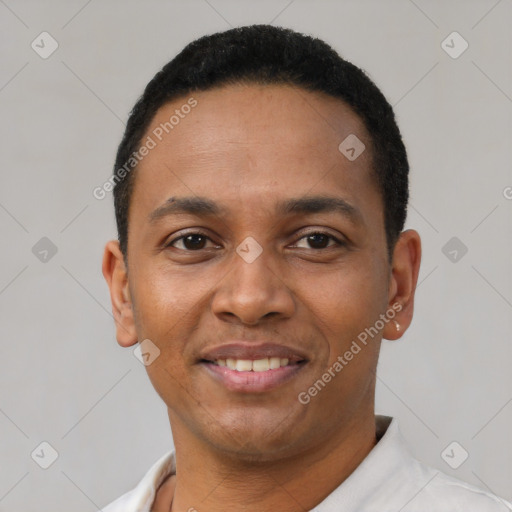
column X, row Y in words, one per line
column 260, row 192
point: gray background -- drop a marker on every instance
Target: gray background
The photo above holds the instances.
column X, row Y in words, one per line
column 64, row 379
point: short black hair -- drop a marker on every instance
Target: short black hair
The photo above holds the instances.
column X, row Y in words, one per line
column 265, row 54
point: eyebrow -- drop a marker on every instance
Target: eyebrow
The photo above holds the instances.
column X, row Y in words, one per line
column 199, row 206
column 204, row 207
column 320, row 204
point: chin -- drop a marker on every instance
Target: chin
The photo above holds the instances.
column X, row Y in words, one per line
column 255, row 437
column 254, row 451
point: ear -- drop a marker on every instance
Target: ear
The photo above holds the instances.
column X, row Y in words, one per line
column 402, row 283
column 116, row 275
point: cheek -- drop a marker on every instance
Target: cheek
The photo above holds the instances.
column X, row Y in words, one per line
column 345, row 303
column 165, row 313
column 164, row 301
column 167, row 316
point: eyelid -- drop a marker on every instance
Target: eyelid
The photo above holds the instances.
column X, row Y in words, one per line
column 339, row 241
column 301, row 235
column 182, row 235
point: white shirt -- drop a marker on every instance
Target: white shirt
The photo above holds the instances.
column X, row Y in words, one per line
column 389, row 479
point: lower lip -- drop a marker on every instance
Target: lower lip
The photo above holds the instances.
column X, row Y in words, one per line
column 252, row 382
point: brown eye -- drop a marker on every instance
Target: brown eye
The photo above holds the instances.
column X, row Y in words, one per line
column 190, row 242
column 319, row 240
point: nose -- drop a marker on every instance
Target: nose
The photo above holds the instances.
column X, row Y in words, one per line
column 253, row 291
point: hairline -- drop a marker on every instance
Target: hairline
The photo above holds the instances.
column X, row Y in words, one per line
column 251, row 81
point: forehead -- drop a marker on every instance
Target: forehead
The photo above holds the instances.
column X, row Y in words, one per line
column 250, row 145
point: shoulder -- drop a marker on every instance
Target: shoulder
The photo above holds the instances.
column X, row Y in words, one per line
column 121, row 504
column 141, row 498
column 445, row 493
column 466, row 496
column 413, row 486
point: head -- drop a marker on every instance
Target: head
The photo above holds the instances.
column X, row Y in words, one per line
column 263, row 54
column 263, row 220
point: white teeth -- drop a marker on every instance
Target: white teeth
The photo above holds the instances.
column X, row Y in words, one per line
column 259, row 365
column 243, row 365
column 275, row 363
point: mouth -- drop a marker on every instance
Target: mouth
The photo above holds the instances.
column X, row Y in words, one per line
column 253, row 368
column 258, row 365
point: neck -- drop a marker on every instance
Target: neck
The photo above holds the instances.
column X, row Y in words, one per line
column 209, row 480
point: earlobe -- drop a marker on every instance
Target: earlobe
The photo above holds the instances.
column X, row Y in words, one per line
column 114, row 271
column 402, row 285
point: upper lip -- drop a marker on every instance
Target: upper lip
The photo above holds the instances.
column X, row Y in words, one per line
column 251, row 350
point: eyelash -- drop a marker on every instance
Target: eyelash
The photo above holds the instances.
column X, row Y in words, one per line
column 338, row 242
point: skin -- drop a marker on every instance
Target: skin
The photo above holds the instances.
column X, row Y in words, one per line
column 248, row 147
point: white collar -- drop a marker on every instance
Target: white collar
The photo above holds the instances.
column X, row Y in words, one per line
column 389, row 479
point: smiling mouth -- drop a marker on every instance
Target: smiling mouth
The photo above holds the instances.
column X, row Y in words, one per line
column 253, row 367
column 253, row 375
column 257, row 365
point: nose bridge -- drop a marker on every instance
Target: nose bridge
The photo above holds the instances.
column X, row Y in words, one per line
column 251, row 289
column 251, row 268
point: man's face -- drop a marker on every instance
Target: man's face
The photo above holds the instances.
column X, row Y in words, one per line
column 321, row 278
